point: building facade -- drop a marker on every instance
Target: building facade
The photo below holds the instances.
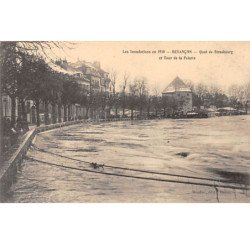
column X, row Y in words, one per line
column 89, row 76
column 97, row 77
column 178, row 96
column 99, row 87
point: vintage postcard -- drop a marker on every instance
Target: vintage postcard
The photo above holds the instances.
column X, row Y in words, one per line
column 125, row 122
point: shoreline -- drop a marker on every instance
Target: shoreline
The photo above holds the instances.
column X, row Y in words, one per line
column 11, row 164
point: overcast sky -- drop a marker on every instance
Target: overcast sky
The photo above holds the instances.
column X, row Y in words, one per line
column 221, row 69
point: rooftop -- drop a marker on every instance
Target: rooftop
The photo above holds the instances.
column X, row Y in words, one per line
column 91, row 65
column 59, row 69
column 68, row 70
column 177, row 85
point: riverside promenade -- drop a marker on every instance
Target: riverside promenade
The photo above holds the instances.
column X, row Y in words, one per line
column 171, row 160
column 13, row 158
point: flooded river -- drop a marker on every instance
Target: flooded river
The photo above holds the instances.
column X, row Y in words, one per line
column 214, row 149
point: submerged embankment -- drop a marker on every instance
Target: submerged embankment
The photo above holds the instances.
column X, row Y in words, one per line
column 190, row 160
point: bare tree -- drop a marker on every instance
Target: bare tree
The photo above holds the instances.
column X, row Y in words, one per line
column 156, row 100
column 113, row 97
column 42, row 48
column 142, row 92
column 247, row 96
column 113, row 78
column 236, row 94
column 123, row 94
column 132, row 98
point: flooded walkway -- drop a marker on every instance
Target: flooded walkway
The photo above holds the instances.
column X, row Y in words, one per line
column 202, row 149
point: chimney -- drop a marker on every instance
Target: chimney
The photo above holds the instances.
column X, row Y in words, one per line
column 97, row 64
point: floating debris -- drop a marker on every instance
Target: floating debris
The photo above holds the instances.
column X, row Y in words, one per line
column 234, row 177
column 183, row 154
column 95, row 165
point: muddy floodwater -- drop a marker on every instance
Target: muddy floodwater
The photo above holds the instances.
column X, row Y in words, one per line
column 215, row 151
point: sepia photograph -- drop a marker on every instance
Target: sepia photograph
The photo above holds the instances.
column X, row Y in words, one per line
column 140, row 122
column 124, row 125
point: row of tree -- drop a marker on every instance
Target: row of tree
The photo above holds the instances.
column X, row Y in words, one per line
column 136, row 96
column 205, row 95
column 26, row 75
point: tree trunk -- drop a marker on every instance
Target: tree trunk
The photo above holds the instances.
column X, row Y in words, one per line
column 132, row 114
column 13, row 110
column 23, row 108
column 109, row 112
column 53, row 113
column 148, row 111
column 69, row 113
column 87, row 112
column 73, row 112
column 124, row 105
column 33, row 114
column 59, row 111
column 38, row 122
column 1, row 128
column 140, row 112
column 65, row 113
column 46, row 112
column 103, row 112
